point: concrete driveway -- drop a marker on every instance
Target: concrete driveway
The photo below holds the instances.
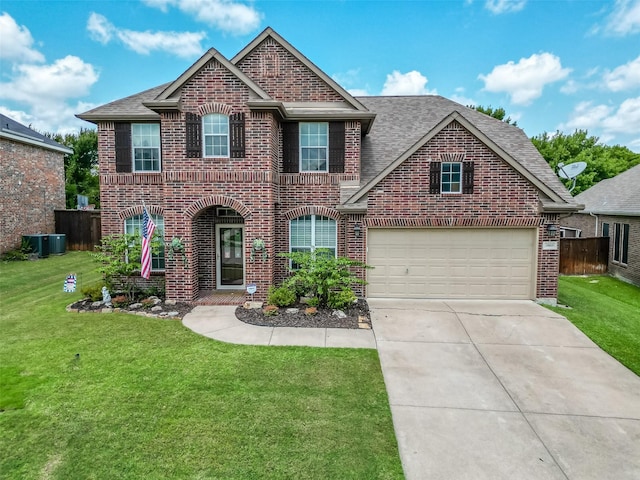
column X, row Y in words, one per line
column 504, row 390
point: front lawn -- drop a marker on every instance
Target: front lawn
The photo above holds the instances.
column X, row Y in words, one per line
column 109, row 396
column 608, row 311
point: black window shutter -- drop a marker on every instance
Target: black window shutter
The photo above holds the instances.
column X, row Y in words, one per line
column 290, row 146
column 123, row 147
column 193, row 140
column 434, row 177
column 467, row 177
column 236, row 126
column 336, row 147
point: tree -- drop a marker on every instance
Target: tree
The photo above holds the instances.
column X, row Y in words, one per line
column 498, row 113
column 80, row 167
column 603, row 161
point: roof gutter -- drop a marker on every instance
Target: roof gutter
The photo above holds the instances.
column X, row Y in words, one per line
column 29, row 140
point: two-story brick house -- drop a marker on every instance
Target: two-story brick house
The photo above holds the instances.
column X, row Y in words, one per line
column 266, row 148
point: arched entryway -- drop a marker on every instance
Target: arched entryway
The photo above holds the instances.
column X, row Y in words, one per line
column 219, row 253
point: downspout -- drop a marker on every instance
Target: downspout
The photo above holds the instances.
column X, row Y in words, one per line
column 596, row 217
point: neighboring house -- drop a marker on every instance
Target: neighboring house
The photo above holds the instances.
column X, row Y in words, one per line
column 31, row 182
column 612, row 209
column 444, row 201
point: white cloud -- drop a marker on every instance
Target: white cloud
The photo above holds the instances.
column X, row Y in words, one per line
column 570, row 87
column 410, row 83
column 16, row 42
column 624, row 19
column 504, row 6
column 46, row 91
column 181, row 44
column 608, row 122
column 359, row 92
column 100, row 29
column 624, row 77
column 227, row 15
column 525, row 80
column 626, row 119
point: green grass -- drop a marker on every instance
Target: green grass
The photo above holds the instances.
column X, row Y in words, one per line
column 608, row 311
column 147, row 398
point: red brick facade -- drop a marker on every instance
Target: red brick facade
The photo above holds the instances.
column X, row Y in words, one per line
column 188, row 191
column 31, row 188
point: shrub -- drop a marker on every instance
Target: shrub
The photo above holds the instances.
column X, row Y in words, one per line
column 14, row 256
column 120, row 301
column 92, row 291
column 341, row 299
column 148, row 303
column 310, row 311
column 319, row 274
column 270, row 310
column 281, row 296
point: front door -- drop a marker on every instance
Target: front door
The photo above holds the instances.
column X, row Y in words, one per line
column 229, row 257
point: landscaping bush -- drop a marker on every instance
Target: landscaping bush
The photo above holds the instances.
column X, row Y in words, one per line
column 341, row 299
column 14, row 256
column 92, row 291
column 281, row 296
column 270, row 310
column 320, row 275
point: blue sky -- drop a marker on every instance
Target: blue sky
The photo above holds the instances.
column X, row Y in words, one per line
column 553, row 65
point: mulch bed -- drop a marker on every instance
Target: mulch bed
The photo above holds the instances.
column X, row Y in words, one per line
column 357, row 316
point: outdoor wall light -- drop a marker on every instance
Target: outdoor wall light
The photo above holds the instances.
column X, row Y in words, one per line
column 552, row 229
column 357, row 230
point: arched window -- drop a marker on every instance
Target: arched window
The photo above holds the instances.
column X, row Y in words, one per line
column 215, row 131
column 310, row 232
column 133, row 226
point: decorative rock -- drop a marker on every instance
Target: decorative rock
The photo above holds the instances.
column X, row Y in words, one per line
column 163, row 314
column 364, row 325
column 156, row 301
column 252, row 305
column 96, row 304
column 157, row 308
column 135, row 306
column 339, row 314
column 170, row 302
column 173, row 314
column 292, row 310
column 107, row 310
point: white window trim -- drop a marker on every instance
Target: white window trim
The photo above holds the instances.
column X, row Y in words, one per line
column 313, row 233
column 442, row 173
column 154, row 217
column 204, row 136
column 159, row 147
column 326, row 170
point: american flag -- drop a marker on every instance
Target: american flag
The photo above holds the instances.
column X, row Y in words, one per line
column 147, row 234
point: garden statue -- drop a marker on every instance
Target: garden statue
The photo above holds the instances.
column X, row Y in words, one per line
column 106, row 296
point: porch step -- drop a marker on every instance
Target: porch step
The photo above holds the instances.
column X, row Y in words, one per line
column 227, row 297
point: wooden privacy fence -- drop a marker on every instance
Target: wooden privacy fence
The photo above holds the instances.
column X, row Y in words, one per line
column 81, row 228
column 584, row 256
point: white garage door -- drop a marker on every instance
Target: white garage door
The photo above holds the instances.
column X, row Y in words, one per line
column 452, row 263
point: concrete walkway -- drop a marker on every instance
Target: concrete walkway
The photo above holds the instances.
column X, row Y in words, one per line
column 220, row 323
column 483, row 389
column 504, row 390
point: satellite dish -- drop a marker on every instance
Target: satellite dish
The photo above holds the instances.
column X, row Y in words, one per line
column 571, row 171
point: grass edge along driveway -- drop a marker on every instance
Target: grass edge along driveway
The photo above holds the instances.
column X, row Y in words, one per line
column 607, row 310
column 147, row 398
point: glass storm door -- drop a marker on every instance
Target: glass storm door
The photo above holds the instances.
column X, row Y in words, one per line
column 230, row 256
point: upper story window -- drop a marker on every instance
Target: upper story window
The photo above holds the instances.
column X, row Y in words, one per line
column 145, row 140
column 137, row 147
column 133, row 226
column 451, row 177
column 314, row 147
column 215, row 131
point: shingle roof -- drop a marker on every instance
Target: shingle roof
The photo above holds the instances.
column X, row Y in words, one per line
column 128, row 108
column 402, row 121
column 9, row 128
column 619, row 195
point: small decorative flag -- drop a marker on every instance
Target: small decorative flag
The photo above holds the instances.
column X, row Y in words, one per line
column 148, row 228
column 70, row 283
